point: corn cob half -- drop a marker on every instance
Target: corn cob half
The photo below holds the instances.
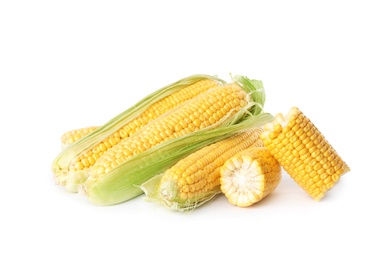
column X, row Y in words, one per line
column 201, row 121
column 195, row 179
column 304, row 153
column 250, row 176
column 71, row 166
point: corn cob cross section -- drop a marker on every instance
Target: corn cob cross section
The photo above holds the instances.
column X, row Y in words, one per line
column 304, row 153
column 250, row 176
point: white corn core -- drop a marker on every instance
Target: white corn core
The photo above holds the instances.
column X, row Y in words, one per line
column 243, row 182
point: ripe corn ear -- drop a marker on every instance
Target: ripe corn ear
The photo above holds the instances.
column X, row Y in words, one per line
column 201, row 121
column 195, row 180
column 250, row 176
column 206, row 110
column 72, row 165
column 304, row 153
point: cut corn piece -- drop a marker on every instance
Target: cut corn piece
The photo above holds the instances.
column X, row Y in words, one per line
column 72, row 136
column 220, row 113
column 72, row 165
column 304, row 153
column 250, row 176
column 194, row 180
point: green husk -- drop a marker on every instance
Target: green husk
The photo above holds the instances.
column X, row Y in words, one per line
column 60, row 166
column 124, row 182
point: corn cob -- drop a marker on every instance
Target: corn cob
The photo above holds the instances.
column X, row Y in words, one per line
column 203, row 120
column 250, row 176
column 72, row 136
column 72, row 164
column 195, row 179
column 304, row 153
column 205, row 110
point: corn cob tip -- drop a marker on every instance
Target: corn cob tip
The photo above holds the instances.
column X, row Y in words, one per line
column 167, row 191
column 304, row 153
column 167, row 194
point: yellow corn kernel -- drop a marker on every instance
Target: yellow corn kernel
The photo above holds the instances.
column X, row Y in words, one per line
column 161, row 130
column 154, row 111
column 74, row 135
column 250, row 176
column 321, row 164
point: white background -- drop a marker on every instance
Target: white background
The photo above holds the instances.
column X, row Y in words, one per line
column 72, row 64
